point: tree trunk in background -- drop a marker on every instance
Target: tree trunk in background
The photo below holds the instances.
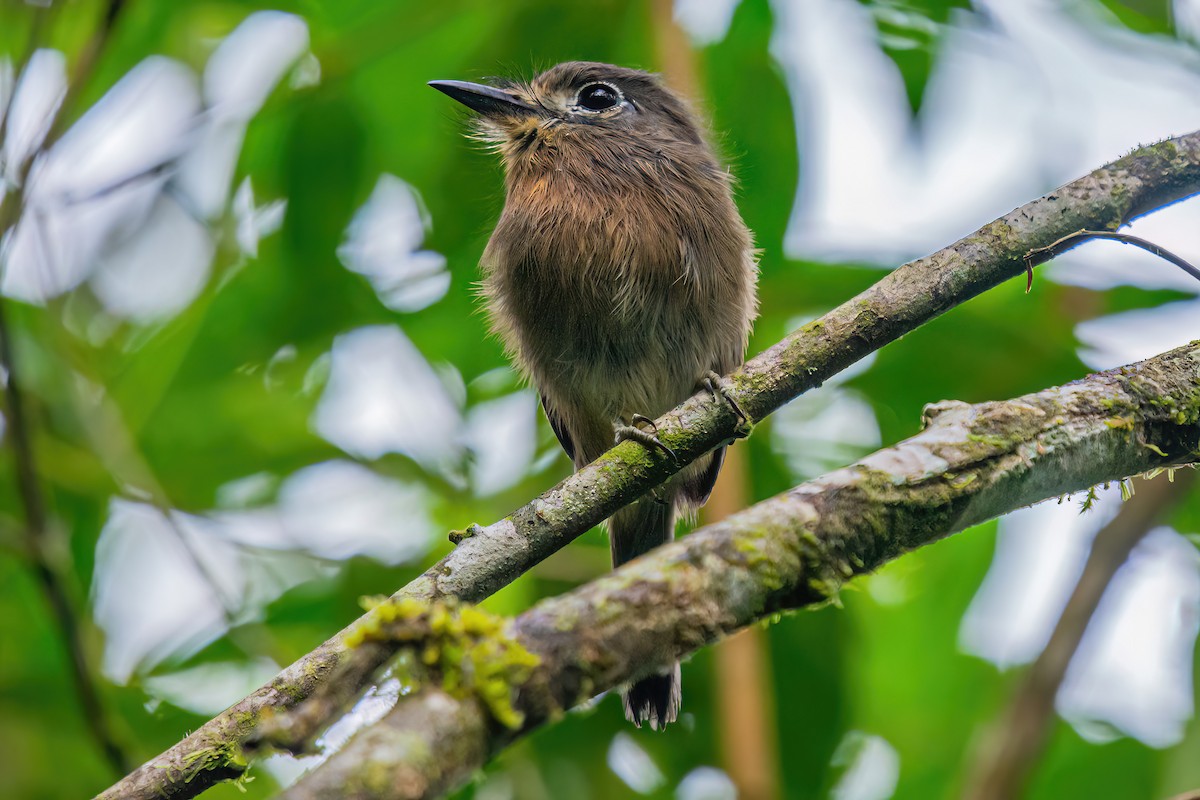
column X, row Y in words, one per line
column 749, row 739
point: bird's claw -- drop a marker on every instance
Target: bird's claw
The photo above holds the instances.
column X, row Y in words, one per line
column 638, row 419
column 648, row 439
column 720, row 387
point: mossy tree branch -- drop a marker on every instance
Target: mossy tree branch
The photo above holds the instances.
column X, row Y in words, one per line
column 970, row 464
column 1146, row 179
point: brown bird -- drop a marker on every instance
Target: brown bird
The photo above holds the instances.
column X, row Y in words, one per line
column 620, row 278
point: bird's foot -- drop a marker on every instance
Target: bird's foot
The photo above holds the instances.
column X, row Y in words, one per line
column 721, row 387
column 637, row 432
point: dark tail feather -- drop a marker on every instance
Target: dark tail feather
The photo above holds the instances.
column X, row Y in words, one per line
column 633, row 531
column 655, row 699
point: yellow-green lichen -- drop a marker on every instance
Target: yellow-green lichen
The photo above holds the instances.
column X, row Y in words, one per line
column 470, row 649
column 992, row 440
column 962, row 481
column 760, row 562
column 220, row 755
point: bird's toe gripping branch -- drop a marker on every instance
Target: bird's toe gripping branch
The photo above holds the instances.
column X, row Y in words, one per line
column 637, row 432
column 721, row 388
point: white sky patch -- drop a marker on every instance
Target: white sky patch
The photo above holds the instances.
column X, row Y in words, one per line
column 247, row 491
column 164, row 583
column 340, row 509
column 1133, row 669
column 371, row 708
column 96, row 187
column 306, row 73
column 633, row 765
column 210, row 688
column 1039, row 554
column 255, row 222
column 872, row 768
column 383, row 243
column 826, row 428
column 36, row 98
column 160, row 271
column 1120, row 339
column 286, row 769
column 377, row 701
column 706, row 783
column 1015, row 105
column 149, row 597
column 706, row 21
column 501, row 436
column 239, row 76
column 383, row 397
column 141, row 123
column 124, row 196
column 251, row 61
column 1186, row 14
column 331, row 511
column 203, row 175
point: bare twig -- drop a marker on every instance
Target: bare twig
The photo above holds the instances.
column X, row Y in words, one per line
column 970, row 464
column 1148, row 178
column 48, row 566
column 37, row 28
column 1011, row 752
column 85, row 67
column 1040, row 255
column 50, row 573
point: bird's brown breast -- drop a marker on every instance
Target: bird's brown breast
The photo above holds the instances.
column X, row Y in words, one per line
column 618, row 285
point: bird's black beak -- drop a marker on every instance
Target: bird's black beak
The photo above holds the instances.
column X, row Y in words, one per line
column 487, row 100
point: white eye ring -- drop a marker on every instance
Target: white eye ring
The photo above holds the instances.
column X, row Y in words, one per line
column 599, row 90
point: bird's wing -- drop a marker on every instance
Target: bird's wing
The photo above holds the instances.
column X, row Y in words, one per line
column 560, row 430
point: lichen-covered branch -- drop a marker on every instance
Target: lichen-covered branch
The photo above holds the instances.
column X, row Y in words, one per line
column 1146, row 179
column 970, row 464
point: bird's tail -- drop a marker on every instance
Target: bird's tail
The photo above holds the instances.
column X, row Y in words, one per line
column 633, row 531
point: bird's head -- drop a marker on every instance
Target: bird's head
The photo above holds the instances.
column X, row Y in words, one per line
column 580, row 101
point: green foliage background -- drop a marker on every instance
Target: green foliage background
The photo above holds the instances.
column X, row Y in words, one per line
column 192, row 395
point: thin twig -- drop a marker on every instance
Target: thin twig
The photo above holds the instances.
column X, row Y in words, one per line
column 1040, row 255
column 84, row 69
column 1010, row 754
column 51, row 573
column 41, row 18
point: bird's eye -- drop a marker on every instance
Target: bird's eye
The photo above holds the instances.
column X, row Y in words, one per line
column 598, row 97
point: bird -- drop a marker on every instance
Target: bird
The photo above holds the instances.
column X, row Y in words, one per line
column 620, row 278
